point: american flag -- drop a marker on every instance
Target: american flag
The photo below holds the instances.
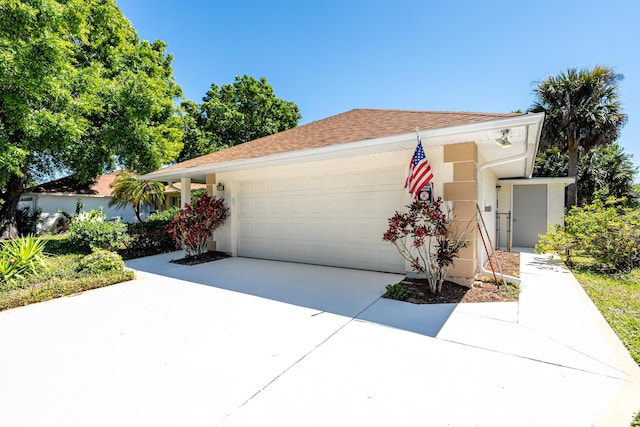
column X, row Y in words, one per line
column 419, row 172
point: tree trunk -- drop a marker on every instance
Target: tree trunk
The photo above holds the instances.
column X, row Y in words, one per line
column 572, row 189
column 8, row 212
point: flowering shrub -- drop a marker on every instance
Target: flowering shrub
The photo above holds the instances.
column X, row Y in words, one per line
column 196, row 223
column 90, row 230
column 100, row 261
column 606, row 229
column 425, row 237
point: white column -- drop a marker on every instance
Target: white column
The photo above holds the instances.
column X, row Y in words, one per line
column 185, row 191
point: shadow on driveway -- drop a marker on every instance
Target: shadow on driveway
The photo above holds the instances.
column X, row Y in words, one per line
column 342, row 291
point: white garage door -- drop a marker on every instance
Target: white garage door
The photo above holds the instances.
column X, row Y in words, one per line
column 336, row 219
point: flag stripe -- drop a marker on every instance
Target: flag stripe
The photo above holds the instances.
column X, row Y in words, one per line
column 419, row 172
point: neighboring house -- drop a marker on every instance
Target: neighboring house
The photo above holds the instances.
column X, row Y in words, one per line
column 321, row 193
column 65, row 193
column 173, row 193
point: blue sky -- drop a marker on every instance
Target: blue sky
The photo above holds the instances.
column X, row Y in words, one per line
column 333, row 56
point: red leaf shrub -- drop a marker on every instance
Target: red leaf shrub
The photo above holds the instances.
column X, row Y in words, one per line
column 193, row 225
column 426, row 237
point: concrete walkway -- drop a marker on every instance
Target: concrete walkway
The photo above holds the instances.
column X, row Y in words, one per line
column 242, row 342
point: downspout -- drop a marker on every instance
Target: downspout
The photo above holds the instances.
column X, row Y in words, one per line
column 481, row 168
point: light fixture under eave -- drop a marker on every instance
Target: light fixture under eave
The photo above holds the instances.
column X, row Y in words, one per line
column 503, row 141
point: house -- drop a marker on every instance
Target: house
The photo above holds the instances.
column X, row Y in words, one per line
column 173, row 193
column 321, row 193
column 64, row 194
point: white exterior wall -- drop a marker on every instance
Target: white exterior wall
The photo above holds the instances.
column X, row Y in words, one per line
column 555, row 206
column 487, row 204
column 51, row 203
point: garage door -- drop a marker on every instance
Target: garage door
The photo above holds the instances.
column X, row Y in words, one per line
column 335, row 220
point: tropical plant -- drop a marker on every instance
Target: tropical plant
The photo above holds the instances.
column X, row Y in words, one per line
column 91, row 230
column 80, row 92
column 425, row 236
column 582, row 109
column 20, row 257
column 232, row 114
column 602, row 168
column 127, row 189
column 606, row 230
column 196, row 223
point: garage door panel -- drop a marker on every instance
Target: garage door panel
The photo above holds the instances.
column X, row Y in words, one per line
column 336, row 219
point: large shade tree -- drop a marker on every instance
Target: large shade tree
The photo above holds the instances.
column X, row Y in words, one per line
column 232, row 114
column 80, row 93
column 582, row 109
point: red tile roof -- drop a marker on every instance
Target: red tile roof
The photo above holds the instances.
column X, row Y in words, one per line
column 69, row 185
column 354, row 125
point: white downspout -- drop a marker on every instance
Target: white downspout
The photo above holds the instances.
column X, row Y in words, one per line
column 481, row 168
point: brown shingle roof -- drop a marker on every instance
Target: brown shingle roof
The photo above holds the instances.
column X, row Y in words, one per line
column 354, row 125
column 69, row 185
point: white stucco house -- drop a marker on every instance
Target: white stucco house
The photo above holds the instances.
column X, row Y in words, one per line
column 64, row 194
column 322, row 193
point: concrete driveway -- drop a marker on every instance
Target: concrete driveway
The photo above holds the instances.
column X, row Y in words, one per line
column 242, row 342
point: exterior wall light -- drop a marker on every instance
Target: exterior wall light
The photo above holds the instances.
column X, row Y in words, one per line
column 503, row 141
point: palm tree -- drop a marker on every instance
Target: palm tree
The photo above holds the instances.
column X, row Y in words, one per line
column 602, row 168
column 128, row 190
column 582, row 109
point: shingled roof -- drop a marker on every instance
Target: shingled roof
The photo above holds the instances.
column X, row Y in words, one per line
column 354, row 125
column 69, row 185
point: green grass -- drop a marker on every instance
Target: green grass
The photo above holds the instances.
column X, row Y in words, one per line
column 617, row 296
column 61, row 277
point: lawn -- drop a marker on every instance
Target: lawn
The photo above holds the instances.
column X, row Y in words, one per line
column 60, row 278
column 617, row 296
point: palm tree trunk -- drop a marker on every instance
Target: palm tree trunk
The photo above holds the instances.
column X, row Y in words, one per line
column 8, row 212
column 572, row 189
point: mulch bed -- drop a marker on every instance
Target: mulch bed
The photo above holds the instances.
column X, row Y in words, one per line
column 417, row 290
column 201, row 259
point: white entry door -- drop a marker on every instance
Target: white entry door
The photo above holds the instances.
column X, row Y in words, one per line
column 335, row 219
column 529, row 214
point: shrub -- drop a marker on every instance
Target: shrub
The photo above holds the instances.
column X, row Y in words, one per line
column 148, row 238
column 21, row 257
column 606, row 229
column 91, row 230
column 397, row 292
column 27, row 220
column 100, row 261
column 165, row 215
column 196, row 223
column 425, row 237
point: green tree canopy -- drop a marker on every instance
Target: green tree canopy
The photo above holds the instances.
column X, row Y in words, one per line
column 79, row 92
column 582, row 109
column 235, row 113
column 607, row 169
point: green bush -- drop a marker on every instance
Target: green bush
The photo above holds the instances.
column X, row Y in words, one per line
column 606, row 230
column 148, row 238
column 166, row 215
column 100, row 261
column 397, row 292
column 90, row 230
column 21, row 257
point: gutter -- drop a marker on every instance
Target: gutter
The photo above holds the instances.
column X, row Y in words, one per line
column 530, row 150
